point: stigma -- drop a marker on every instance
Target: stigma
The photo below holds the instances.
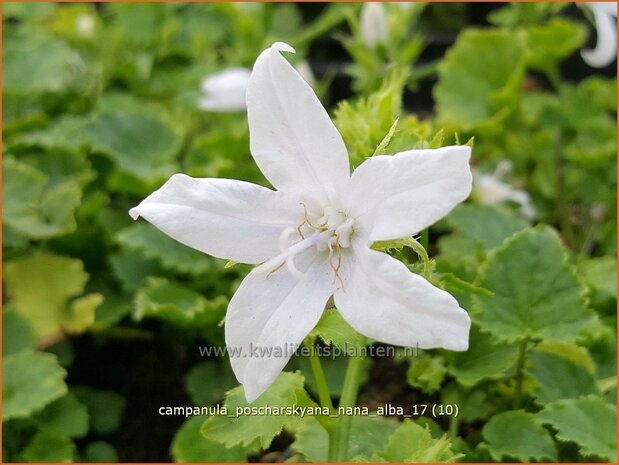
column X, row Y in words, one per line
column 332, row 232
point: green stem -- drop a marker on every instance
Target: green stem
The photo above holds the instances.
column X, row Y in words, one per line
column 425, row 238
column 520, row 372
column 453, row 426
column 348, row 399
column 319, row 376
column 422, row 252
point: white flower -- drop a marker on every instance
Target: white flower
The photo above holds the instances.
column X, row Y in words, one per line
column 373, row 24
column 491, row 190
column 85, row 25
column 605, row 51
column 312, row 235
column 225, row 91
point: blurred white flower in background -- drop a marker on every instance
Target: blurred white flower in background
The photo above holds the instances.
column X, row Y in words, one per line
column 605, row 51
column 225, row 91
column 373, row 23
column 490, row 189
column 312, row 236
column 85, row 25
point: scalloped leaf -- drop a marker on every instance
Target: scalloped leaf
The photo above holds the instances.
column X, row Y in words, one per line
column 486, row 358
column 35, row 207
column 177, row 304
column 559, row 377
column 412, row 443
column 367, row 435
column 480, row 77
column 536, row 294
column 49, row 447
column 426, row 373
column 230, row 430
column 17, row 334
column 143, row 147
column 516, row 434
column 66, row 417
column 31, row 381
column 41, row 285
column 173, row 255
column 589, row 422
column 189, row 446
column 485, row 224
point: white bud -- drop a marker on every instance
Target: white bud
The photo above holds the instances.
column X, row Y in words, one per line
column 373, row 21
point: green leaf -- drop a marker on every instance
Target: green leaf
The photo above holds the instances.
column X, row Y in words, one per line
column 548, row 44
column 473, row 405
column 536, row 293
column 105, row 408
column 48, row 447
column 178, row 305
column 364, row 123
column 173, row 255
column 65, row 417
column 414, row 443
column 286, row 391
column 516, row 434
column 100, row 452
column 485, row 224
column 367, row 435
column 524, row 14
column 589, row 422
column 132, row 269
column 33, row 206
column 486, row 358
column 41, row 65
column 333, row 329
column 208, row 382
column 41, row 285
column 480, row 78
column 601, row 274
column 559, row 377
column 16, row 333
column 426, row 373
column 31, row 381
column 142, row 147
column 189, row 446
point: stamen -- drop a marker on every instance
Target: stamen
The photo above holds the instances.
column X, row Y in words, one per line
column 307, row 221
column 336, row 269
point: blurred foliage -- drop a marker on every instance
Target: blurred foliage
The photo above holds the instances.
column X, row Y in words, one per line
column 100, row 109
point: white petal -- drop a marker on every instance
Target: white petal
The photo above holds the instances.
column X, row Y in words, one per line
column 386, row 302
column 274, row 312
column 395, row 196
column 373, row 24
column 224, row 218
column 225, row 91
column 605, row 51
column 292, row 138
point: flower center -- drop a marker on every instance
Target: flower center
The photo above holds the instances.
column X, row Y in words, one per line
column 332, row 232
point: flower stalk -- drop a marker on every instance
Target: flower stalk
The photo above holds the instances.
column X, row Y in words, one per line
column 338, row 449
